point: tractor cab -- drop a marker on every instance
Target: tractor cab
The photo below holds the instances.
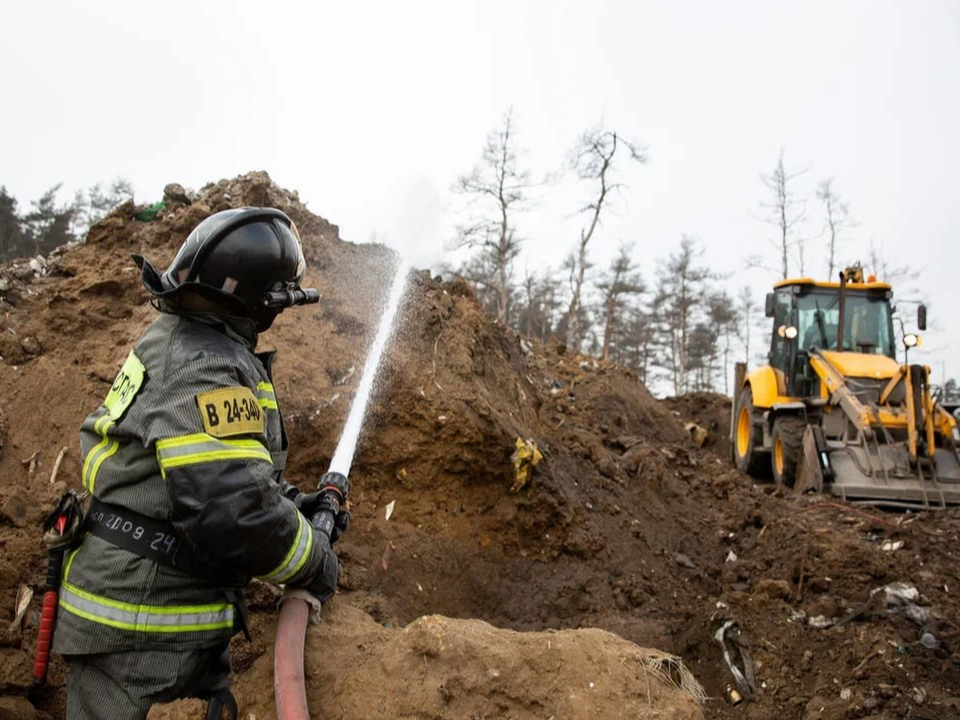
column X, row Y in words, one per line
column 846, row 317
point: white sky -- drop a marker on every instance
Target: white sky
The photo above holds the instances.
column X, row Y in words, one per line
column 371, row 110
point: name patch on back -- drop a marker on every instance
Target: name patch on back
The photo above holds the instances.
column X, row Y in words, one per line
column 230, row 411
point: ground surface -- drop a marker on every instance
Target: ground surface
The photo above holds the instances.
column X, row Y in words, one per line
column 626, row 525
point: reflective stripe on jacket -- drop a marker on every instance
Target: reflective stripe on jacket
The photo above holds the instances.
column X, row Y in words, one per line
column 189, row 432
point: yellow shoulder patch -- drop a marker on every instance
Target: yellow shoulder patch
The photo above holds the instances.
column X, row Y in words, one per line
column 125, row 387
column 230, row 411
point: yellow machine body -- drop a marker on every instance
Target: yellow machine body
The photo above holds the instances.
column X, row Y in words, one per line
column 834, row 410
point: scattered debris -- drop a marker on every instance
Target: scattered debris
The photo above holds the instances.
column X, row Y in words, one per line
column 346, row 376
column 745, row 681
column 388, row 511
column 56, row 464
column 13, row 633
column 698, row 434
column 387, row 555
column 525, row 458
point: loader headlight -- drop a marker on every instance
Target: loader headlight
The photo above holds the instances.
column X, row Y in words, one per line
column 787, row 331
column 911, row 340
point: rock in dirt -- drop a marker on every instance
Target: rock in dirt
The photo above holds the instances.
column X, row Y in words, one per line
column 468, row 668
column 15, row 508
column 774, row 589
column 191, row 709
column 174, row 194
column 16, row 708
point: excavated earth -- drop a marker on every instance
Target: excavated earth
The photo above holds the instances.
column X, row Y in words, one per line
column 461, row 603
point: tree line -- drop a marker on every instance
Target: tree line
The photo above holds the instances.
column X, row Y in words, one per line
column 50, row 223
column 683, row 329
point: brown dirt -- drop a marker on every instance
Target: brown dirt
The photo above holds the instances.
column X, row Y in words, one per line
column 710, row 411
column 626, row 527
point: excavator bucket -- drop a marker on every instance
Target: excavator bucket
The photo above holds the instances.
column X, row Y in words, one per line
column 882, row 475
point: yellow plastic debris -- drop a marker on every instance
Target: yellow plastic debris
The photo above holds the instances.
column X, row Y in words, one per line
column 525, row 458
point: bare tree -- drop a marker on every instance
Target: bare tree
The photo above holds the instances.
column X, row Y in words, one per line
column 97, row 202
column 701, row 357
column 539, row 305
column 620, row 282
column 723, row 316
column 680, row 293
column 594, row 161
column 836, row 219
column 480, row 272
column 746, row 316
column 785, row 212
column 637, row 349
column 497, row 188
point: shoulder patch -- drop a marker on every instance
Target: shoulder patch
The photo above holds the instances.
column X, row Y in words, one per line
column 230, row 411
column 125, row 387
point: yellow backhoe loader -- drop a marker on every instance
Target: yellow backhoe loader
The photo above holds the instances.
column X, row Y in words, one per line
column 834, row 411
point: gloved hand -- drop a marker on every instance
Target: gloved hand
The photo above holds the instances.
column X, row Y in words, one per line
column 323, row 507
column 309, row 504
column 324, row 583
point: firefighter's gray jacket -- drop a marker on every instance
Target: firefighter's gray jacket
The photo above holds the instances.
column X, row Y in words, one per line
column 189, row 432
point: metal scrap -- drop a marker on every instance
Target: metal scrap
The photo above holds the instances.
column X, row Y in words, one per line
column 745, row 679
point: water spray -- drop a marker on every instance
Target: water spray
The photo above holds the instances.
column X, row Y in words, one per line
column 289, row 685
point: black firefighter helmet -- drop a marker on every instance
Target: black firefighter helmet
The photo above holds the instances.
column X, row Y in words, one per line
column 246, row 262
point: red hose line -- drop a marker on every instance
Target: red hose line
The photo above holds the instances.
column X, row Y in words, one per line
column 288, row 684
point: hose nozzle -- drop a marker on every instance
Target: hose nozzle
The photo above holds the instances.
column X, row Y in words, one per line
column 291, row 297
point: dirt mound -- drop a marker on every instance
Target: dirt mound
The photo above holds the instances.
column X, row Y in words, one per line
column 437, row 668
column 626, row 526
column 711, row 411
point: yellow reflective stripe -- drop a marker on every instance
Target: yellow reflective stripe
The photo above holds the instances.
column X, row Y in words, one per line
column 120, row 625
column 197, row 438
column 114, row 446
column 201, row 448
column 145, row 618
column 296, row 556
column 100, row 452
column 265, row 396
column 152, row 609
column 293, row 548
column 66, row 568
column 303, row 558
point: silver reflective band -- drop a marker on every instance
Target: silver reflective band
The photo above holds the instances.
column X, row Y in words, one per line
column 145, row 618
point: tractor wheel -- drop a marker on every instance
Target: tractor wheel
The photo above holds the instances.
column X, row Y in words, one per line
column 746, row 437
column 787, row 438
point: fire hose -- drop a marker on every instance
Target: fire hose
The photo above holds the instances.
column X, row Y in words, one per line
column 289, row 686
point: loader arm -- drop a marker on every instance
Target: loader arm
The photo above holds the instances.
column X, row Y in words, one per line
column 840, row 395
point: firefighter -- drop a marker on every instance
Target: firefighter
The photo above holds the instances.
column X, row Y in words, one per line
column 184, row 464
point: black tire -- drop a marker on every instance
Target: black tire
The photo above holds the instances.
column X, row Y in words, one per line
column 787, row 441
column 747, row 437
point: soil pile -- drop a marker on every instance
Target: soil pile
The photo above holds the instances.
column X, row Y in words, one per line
column 441, row 669
column 625, row 526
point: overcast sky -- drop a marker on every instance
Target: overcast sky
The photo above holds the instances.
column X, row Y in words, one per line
column 371, row 110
